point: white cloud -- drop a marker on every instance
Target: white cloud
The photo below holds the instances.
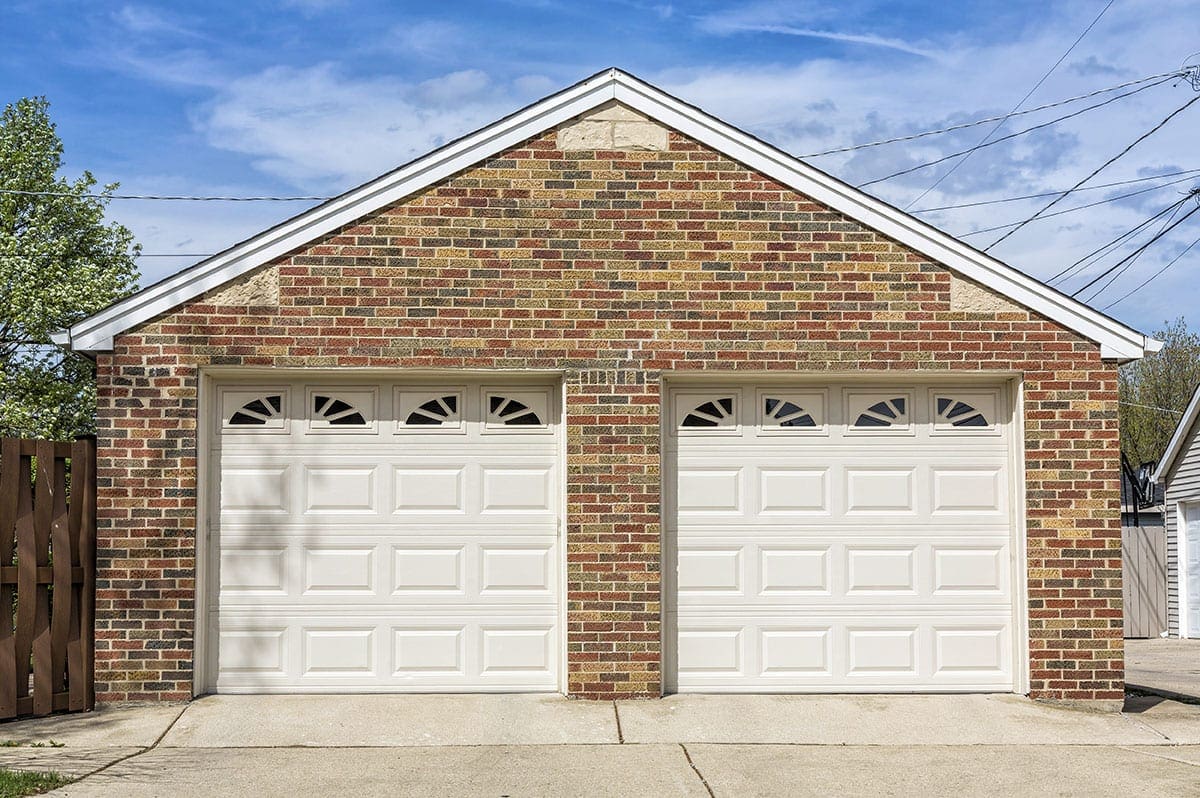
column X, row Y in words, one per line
column 428, row 39
column 318, row 126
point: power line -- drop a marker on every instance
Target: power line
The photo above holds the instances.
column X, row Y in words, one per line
column 1154, row 276
column 963, row 126
column 1000, row 124
column 1149, row 407
column 1010, row 136
column 1136, row 252
column 1114, row 243
column 1081, row 207
column 167, row 197
column 1100, row 169
column 1128, row 262
column 1096, row 187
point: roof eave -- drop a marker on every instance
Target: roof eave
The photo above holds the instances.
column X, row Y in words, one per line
column 1175, row 445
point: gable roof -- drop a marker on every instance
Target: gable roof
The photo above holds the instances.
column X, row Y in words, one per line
column 1179, row 439
column 96, row 333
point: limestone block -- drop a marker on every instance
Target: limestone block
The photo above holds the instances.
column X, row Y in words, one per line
column 639, row 136
column 585, row 135
column 612, row 127
column 259, row 289
column 968, row 297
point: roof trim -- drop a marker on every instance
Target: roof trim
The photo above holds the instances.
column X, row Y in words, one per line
column 95, row 333
column 1180, row 436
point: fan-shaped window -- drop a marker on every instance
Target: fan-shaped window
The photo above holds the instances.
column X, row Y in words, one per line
column 957, row 413
column 336, row 412
column 434, row 413
column 511, row 412
column 884, row 413
column 712, row 413
column 258, row 412
column 782, row 413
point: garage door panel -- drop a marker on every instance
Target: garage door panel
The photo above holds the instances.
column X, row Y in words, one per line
column 319, row 651
column 874, row 556
column 855, row 653
column 406, row 552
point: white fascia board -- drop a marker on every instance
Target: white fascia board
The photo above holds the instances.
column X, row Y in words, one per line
column 1116, row 341
column 1178, row 438
column 96, row 332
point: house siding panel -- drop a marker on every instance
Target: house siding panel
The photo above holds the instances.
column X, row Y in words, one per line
column 613, row 268
column 1183, row 485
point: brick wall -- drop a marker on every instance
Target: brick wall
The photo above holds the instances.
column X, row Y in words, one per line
column 612, row 267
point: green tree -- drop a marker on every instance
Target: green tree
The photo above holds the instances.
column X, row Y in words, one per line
column 1155, row 390
column 59, row 262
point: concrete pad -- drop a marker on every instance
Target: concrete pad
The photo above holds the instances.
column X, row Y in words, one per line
column 551, row 771
column 1164, row 665
column 1180, row 753
column 932, row 771
column 1177, row 723
column 133, row 726
column 873, row 720
column 67, row 761
column 391, row 720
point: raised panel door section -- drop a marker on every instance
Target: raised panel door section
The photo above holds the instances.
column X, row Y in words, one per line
column 516, row 489
column 255, row 490
column 709, row 491
column 346, row 571
column 854, row 537
column 254, row 570
column 789, row 491
column 429, row 490
column 428, row 650
column 339, row 651
column 393, row 536
column 703, row 570
column 420, row 570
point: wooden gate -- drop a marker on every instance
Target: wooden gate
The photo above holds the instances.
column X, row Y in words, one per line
column 1144, row 584
column 47, row 576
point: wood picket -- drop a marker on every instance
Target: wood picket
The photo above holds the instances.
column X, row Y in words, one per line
column 47, row 576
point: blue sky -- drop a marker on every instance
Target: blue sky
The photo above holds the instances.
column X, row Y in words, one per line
column 310, row 97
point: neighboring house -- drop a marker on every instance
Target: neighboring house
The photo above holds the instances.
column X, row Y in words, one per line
column 1143, row 552
column 607, row 398
column 1179, row 475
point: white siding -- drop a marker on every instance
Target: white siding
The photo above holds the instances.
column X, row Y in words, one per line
column 1182, row 485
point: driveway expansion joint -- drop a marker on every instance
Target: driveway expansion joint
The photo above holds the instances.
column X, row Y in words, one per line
column 696, row 770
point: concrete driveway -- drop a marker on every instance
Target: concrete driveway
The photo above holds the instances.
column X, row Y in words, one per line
column 520, row 745
column 1165, row 666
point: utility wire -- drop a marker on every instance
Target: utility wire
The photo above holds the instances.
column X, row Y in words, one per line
column 1099, row 169
column 1074, row 208
column 1106, row 249
column 963, row 126
column 173, row 198
column 1096, row 187
column 1010, row 136
column 1136, row 252
column 1149, row 407
column 1130, row 261
column 1154, row 276
column 1015, row 108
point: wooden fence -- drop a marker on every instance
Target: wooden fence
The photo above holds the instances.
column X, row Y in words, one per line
column 1144, row 586
column 47, row 576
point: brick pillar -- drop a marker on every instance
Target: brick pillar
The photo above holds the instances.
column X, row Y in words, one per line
column 613, row 536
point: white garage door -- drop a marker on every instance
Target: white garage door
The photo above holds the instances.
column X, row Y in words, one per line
column 384, row 537
column 840, row 538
